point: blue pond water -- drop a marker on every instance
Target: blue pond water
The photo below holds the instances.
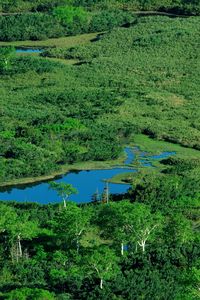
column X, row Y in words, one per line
column 130, row 156
column 162, row 155
column 86, row 182
column 28, row 50
column 145, row 159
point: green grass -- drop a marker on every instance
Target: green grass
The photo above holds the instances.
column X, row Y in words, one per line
column 65, row 42
column 92, row 238
column 122, row 178
column 59, row 60
column 131, row 178
column 63, row 61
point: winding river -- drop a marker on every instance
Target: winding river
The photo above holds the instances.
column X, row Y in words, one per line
column 86, row 182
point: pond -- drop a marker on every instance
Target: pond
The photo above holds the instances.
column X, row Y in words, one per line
column 86, row 182
column 28, row 50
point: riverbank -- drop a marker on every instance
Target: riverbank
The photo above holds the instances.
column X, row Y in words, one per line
column 79, row 166
column 142, row 142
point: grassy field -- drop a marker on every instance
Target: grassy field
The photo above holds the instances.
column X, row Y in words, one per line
column 54, row 59
column 66, row 42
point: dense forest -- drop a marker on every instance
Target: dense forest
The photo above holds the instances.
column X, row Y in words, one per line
column 145, row 246
column 137, row 79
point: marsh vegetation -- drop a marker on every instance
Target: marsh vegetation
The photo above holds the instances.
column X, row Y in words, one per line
column 76, row 106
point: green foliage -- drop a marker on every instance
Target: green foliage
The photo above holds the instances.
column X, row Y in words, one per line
column 141, row 79
column 36, row 26
column 104, row 142
column 103, row 262
column 6, row 56
column 48, row 137
column 178, row 6
column 123, row 89
column 116, row 219
column 61, row 266
column 167, row 190
column 66, row 15
column 64, row 190
column 107, row 19
column 24, row 64
column 8, row 218
column 27, row 293
column 71, row 223
column 67, row 20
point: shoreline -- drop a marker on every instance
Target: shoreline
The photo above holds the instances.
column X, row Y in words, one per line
column 142, row 141
column 80, row 166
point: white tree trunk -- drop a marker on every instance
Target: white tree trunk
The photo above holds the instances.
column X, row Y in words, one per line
column 101, row 283
column 122, row 249
column 77, row 245
column 19, row 245
column 107, row 193
column 143, row 246
column 64, row 203
column 6, row 62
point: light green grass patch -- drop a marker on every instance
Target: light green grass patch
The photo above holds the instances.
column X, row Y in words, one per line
column 65, row 42
column 92, row 239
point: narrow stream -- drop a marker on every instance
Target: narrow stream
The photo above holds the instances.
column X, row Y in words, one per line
column 28, row 50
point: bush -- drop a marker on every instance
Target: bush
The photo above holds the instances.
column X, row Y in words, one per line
column 27, row 293
column 38, row 65
column 106, row 20
column 36, row 26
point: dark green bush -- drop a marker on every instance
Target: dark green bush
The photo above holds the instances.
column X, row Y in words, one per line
column 108, row 19
column 36, row 26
